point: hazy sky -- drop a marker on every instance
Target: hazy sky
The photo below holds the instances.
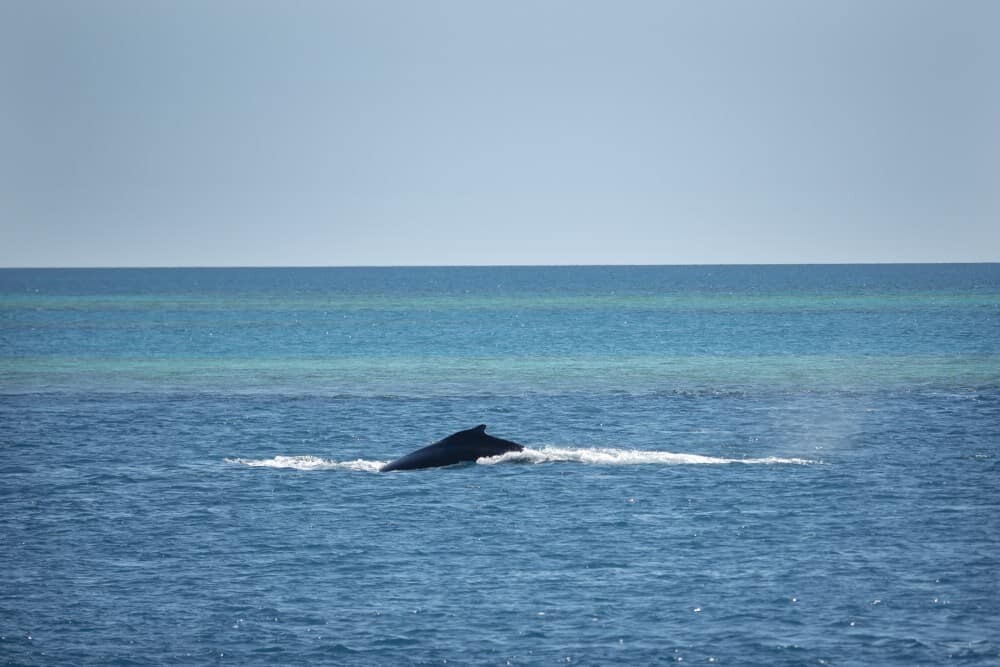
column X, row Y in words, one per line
column 147, row 133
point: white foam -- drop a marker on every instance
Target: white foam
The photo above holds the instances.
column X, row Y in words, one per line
column 311, row 463
column 585, row 455
column 619, row 457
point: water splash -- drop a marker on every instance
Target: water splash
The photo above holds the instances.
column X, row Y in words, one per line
column 584, row 455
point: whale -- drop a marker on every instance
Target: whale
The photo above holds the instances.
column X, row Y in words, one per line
column 468, row 445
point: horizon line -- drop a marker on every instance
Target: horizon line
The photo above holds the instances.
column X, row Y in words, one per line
column 475, row 266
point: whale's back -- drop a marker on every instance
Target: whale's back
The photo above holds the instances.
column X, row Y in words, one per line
column 460, row 447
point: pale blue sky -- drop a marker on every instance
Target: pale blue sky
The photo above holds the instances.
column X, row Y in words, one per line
column 147, row 133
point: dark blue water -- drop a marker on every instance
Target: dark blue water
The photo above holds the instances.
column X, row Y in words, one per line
column 737, row 465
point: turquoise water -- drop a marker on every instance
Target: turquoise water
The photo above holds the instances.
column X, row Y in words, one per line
column 742, row 465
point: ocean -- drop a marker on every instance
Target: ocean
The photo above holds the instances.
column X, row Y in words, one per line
column 743, row 465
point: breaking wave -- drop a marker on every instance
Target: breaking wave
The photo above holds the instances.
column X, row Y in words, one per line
column 588, row 456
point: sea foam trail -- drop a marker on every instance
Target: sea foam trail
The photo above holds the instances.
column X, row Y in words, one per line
column 311, row 463
column 589, row 456
column 619, row 457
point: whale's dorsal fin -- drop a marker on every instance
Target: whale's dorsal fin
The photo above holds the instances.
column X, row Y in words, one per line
column 481, row 428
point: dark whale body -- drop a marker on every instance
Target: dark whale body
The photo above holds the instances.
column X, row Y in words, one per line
column 458, row 447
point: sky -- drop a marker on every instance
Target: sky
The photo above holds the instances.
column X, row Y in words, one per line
column 458, row 132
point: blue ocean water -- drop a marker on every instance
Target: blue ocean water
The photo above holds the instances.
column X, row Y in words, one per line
column 731, row 465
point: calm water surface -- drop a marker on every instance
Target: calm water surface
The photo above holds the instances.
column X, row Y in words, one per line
column 729, row 465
